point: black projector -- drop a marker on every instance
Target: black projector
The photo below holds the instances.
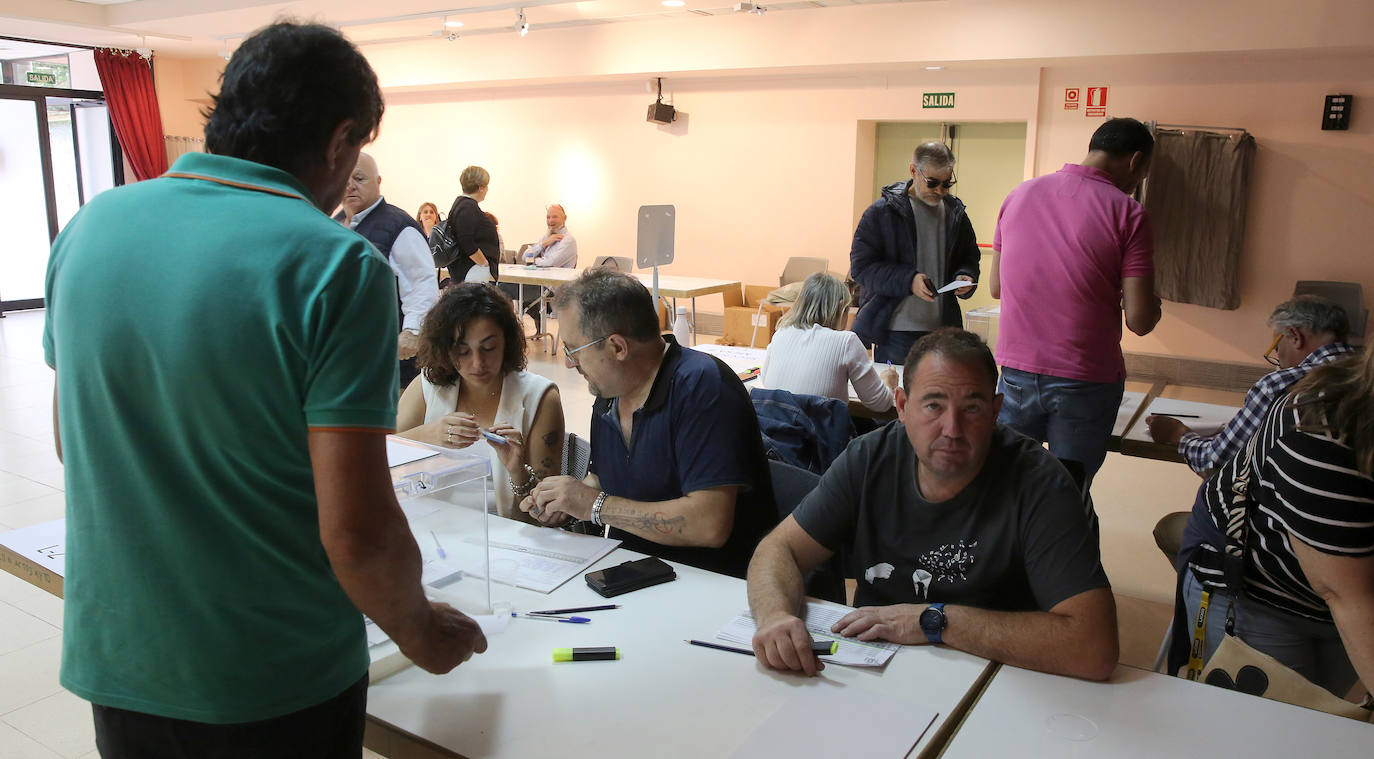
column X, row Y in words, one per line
column 662, row 113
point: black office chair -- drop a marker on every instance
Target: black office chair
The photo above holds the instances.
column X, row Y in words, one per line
column 577, row 454
column 790, row 485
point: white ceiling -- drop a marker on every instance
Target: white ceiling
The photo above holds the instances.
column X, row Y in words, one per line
column 204, row 27
column 13, row 49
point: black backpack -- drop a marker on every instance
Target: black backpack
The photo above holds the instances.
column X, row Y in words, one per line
column 443, row 245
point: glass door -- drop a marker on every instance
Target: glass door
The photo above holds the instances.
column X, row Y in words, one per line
column 29, row 227
column 56, row 153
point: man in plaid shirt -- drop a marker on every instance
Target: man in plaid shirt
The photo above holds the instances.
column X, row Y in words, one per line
column 1308, row 331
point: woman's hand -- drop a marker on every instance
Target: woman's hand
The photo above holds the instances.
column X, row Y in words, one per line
column 457, row 430
column 513, row 454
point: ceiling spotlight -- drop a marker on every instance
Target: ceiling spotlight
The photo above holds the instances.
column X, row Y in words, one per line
column 452, row 24
column 674, row 3
column 934, row 68
column 521, row 24
column 748, row 7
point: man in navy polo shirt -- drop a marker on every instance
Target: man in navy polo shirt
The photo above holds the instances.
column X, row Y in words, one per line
column 678, row 468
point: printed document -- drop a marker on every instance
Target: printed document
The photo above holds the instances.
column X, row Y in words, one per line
column 819, row 619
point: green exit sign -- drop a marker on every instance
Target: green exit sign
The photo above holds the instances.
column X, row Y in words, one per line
column 38, row 77
column 937, row 100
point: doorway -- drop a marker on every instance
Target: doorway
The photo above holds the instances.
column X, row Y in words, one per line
column 989, row 164
column 57, row 151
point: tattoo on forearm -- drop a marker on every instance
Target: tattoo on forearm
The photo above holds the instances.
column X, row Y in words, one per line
column 552, row 438
column 657, row 521
column 547, row 466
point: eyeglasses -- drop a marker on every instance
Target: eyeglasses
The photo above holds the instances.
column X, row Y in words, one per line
column 1271, row 354
column 933, row 183
column 569, row 352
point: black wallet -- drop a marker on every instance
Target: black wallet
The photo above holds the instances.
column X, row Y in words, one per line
column 632, row 575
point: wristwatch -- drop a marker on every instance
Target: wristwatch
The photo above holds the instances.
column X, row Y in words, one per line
column 933, row 622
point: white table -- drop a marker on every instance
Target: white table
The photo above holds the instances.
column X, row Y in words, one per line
column 669, row 285
column 1142, row 714
column 664, row 698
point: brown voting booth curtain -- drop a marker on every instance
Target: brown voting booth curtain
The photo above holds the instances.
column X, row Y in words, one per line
column 1196, row 196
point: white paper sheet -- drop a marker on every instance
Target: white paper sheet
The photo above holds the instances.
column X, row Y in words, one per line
column 955, row 285
column 44, row 544
column 398, row 453
column 829, row 719
column 539, row 558
column 819, row 619
column 738, row 358
column 1206, row 418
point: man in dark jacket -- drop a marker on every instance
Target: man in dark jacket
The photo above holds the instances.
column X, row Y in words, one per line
column 914, row 240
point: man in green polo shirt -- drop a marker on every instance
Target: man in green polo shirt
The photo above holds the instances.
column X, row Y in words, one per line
column 226, row 373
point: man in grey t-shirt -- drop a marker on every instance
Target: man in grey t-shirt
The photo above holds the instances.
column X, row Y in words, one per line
column 959, row 531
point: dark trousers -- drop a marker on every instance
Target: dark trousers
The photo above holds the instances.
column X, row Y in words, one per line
column 332, row 729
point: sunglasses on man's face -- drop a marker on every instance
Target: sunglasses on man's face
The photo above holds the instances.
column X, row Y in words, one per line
column 933, row 183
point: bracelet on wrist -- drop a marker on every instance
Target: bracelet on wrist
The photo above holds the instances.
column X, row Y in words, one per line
column 596, row 508
column 523, row 490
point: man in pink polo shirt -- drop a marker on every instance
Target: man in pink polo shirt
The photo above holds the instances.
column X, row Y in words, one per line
column 1073, row 251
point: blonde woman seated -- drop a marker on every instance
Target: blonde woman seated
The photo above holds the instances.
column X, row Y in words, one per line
column 809, row 355
column 473, row 378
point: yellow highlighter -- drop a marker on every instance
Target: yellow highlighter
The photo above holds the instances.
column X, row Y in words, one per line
column 598, row 653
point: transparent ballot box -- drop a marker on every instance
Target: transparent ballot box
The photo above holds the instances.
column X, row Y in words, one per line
column 446, row 498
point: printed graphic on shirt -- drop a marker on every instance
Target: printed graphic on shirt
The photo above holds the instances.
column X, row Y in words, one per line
column 921, row 579
column 880, row 571
column 948, row 563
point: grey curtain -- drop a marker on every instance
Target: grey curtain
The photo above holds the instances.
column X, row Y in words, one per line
column 1196, row 195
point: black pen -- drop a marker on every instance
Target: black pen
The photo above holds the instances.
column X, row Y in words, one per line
column 578, row 609
column 819, row 648
column 1176, row 416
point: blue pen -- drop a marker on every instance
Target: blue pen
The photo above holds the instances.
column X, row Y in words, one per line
column 493, row 437
column 437, row 546
column 569, row 620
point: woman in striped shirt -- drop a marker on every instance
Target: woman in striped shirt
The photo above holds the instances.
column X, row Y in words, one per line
column 1308, row 599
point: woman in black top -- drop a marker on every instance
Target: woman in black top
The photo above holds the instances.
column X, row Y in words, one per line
column 478, row 244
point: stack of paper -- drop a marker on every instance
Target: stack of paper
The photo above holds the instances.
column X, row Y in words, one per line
column 819, row 619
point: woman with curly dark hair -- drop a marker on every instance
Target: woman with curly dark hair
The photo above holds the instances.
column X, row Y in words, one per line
column 473, row 379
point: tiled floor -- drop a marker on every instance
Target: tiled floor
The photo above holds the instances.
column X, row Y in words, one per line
column 38, row 719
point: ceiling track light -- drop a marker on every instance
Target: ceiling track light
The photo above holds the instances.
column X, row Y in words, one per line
column 521, row 25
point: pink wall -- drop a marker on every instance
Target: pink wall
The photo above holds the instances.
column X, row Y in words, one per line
column 1311, row 213
column 767, row 161
column 761, row 169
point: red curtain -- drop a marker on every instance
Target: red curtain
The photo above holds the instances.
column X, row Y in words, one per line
column 127, row 79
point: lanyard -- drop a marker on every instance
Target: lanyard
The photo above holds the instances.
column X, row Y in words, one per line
column 1199, row 637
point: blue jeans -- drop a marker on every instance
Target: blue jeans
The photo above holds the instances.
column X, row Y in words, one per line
column 895, row 346
column 1075, row 417
column 1310, row 648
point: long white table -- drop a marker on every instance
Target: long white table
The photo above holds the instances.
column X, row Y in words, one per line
column 1142, row 714
column 664, row 698
column 669, row 286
